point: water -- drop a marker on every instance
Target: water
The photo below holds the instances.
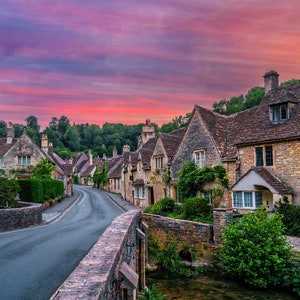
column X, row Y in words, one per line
column 213, row 288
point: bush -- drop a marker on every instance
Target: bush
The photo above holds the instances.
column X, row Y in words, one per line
column 290, row 217
column 198, row 209
column 9, row 189
column 152, row 294
column 40, row 190
column 162, row 207
column 255, row 248
column 292, row 277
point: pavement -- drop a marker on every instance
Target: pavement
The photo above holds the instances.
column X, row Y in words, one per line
column 59, row 209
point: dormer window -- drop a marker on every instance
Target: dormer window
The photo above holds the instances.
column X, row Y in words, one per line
column 279, row 112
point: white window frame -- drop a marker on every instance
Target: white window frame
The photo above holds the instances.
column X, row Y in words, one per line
column 199, row 158
column 244, row 199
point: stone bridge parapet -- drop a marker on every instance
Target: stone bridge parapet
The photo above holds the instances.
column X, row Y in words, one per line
column 110, row 269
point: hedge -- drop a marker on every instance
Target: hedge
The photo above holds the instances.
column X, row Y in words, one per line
column 40, row 190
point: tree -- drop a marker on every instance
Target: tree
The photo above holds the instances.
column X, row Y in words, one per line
column 3, row 128
column 176, row 123
column 43, row 169
column 33, row 129
column 254, row 97
column 97, row 177
column 256, row 249
column 9, row 188
column 104, row 175
column 288, row 82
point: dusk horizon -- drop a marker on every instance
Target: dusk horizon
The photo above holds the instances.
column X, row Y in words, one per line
column 96, row 62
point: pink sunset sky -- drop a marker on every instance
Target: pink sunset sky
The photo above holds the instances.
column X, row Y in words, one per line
column 125, row 61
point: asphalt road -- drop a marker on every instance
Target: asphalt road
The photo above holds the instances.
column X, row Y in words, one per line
column 34, row 262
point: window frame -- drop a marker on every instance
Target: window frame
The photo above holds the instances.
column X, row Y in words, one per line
column 199, row 158
column 159, row 162
column 264, row 156
column 242, row 200
column 279, row 112
column 24, row 160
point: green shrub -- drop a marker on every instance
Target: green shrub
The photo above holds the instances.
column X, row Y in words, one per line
column 152, row 294
column 40, row 190
column 292, row 277
column 9, row 189
column 255, row 248
column 198, row 209
column 290, row 217
column 162, row 207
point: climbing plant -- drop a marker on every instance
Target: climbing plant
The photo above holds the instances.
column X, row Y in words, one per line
column 191, row 179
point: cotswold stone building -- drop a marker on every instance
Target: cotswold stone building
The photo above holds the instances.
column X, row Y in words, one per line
column 19, row 156
column 258, row 147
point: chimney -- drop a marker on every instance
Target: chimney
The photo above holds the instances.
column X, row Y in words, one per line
column 45, row 143
column 271, row 81
column 126, row 148
column 10, row 133
column 148, row 132
column 115, row 152
column 90, row 156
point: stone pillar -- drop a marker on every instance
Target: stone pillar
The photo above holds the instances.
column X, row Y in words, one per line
column 222, row 216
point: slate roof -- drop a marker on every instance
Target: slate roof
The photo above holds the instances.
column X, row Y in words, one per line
column 281, row 187
column 253, row 126
column 146, row 152
column 115, row 167
column 172, row 140
column 4, row 147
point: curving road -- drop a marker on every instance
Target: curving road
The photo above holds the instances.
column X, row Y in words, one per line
column 34, row 262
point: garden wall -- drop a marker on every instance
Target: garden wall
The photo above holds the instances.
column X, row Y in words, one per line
column 19, row 218
column 195, row 236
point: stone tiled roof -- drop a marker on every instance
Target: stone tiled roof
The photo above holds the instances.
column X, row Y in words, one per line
column 146, row 152
column 281, row 187
column 115, row 167
column 139, row 182
column 253, row 126
column 4, row 147
column 172, row 140
column 88, row 170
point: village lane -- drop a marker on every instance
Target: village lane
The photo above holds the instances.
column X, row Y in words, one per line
column 34, row 262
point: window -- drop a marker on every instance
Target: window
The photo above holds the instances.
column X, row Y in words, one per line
column 199, row 157
column 24, row 160
column 208, row 195
column 159, row 161
column 279, row 112
column 139, row 192
column 248, row 200
column 264, row 156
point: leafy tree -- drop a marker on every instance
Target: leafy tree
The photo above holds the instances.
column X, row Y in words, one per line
column 288, row 82
column 256, row 249
column 9, row 188
column 71, row 138
column 62, row 125
column 19, row 129
column 43, row 169
column 3, row 128
column 240, row 103
column 176, row 123
column 104, row 175
column 97, row 177
column 254, row 97
column 33, row 129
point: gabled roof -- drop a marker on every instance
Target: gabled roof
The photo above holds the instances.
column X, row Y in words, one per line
column 146, row 152
column 276, row 183
column 172, row 140
column 4, row 147
column 254, row 125
column 115, row 167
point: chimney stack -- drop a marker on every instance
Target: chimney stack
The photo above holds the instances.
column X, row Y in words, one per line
column 45, row 143
column 271, row 81
column 126, row 148
column 10, row 133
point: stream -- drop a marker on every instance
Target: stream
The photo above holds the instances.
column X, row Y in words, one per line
column 212, row 288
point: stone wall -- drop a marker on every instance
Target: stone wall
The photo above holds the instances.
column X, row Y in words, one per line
column 19, row 218
column 195, row 237
column 109, row 270
column 285, row 166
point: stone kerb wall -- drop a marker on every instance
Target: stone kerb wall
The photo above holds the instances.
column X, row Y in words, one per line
column 109, row 267
column 198, row 236
column 19, row 218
